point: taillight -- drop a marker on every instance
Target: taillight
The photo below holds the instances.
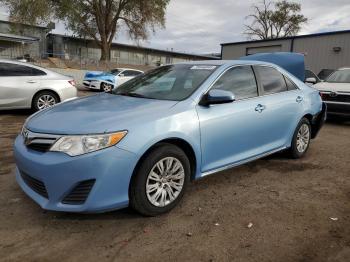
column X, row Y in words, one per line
column 321, row 95
column 72, row 82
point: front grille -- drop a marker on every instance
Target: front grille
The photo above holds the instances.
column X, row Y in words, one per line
column 337, row 98
column 35, row 184
column 39, row 147
column 38, row 142
column 79, row 193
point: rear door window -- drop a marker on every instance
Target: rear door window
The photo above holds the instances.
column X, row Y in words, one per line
column 240, row 81
column 290, row 84
column 272, row 81
column 130, row 73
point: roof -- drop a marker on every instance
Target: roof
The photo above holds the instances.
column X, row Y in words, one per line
column 18, row 38
column 7, row 21
column 141, row 47
column 227, row 62
column 290, row 37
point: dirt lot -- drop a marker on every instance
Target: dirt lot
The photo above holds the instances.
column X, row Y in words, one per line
column 290, row 204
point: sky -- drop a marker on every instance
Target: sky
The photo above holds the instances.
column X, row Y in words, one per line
column 199, row 26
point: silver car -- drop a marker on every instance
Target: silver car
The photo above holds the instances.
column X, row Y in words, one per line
column 24, row 85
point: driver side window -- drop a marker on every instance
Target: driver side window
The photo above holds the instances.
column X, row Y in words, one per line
column 240, row 81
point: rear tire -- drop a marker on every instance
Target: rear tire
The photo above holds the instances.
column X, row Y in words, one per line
column 301, row 139
column 44, row 99
column 160, row 181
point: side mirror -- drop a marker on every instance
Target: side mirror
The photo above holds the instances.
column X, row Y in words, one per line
column 121, row 75
column 311, row 80
column 217, row 96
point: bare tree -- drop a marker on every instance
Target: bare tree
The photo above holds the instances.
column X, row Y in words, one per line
column 275, row 19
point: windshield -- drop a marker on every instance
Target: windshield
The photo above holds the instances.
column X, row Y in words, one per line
column 340, row 76
column 172, row 82
column 115, row 71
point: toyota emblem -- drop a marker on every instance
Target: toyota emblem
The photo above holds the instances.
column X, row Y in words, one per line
column 333, row 94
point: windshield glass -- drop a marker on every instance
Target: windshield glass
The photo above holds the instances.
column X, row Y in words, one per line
column 340, row 76
column 172, row 82
column 115, row 71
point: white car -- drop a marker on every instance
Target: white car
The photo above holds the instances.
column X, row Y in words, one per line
column 335, row 91
column 24, row 85
column 107, row 81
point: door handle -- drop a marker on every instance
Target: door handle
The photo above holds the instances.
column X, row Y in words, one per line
column 259, row 108
column 299, row 99
column 31, row 81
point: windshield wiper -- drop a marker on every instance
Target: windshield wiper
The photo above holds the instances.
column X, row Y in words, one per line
column 132, row 95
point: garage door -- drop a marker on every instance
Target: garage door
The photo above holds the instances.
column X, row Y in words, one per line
column 263, row 49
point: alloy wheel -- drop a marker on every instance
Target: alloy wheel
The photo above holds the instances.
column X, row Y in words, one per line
column 165, row 181
column 46, row 101
column 107, row 88
column 303, row 138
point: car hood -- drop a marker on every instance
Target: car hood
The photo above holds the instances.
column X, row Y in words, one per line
column 97, row 114
column 333, row 87
column 99, row 76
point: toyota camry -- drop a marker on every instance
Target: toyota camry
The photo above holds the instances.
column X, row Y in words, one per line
column 141, row 145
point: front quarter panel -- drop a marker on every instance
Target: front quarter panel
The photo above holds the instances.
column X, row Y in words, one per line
column 181, row 122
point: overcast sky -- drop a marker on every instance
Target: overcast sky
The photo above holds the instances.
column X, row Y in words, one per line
column 199, row 26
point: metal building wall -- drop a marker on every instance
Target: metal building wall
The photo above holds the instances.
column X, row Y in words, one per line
column 320, row 50
column 319, row 53
column 236, row 51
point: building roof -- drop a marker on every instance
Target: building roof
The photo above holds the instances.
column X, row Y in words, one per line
column 5, row 19
column 290, row 37
column 17, row 38
column 144, row 48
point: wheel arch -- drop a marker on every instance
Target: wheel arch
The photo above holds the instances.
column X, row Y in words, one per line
column 179, row 142
column 45, row 90
column 314, row 124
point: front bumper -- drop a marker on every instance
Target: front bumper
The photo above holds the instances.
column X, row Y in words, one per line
column 338, row 108
column 92, row 84
column 111, row 169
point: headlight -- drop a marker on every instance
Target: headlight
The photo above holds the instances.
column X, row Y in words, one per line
column 78, row 145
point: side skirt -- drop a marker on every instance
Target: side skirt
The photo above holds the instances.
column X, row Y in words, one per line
column 207, row 173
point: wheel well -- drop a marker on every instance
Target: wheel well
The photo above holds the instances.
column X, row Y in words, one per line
column 314, row 128
column 309, row 117
column 185, row 146
column 45, row 90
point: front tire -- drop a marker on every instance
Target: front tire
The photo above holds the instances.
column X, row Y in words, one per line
column 160, row 181
column 107, row 88
column 301, row 139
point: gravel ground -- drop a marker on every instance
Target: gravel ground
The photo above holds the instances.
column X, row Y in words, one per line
column 297, row 210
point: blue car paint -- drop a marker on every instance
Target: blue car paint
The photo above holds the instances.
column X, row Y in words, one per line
column 101, row 77
column 294, row 63
column 218, row 139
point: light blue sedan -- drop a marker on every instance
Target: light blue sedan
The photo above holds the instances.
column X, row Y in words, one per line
column 142, row 145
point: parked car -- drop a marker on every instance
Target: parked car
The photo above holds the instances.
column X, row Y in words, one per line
column 144, row 143
column 311, row 77
column 325, row 73
column 335, row 91
column 107, row 81
column 24, row 85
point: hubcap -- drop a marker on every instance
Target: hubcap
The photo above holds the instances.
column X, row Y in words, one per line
column 303, row 138
column 165, row 181
column 107, row 87
column 46, row 101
